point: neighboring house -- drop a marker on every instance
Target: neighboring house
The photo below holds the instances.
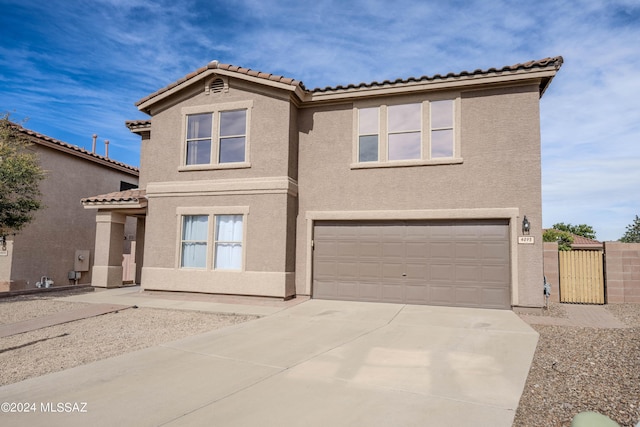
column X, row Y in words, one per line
column 583, row 243
column 410, row 191
column 62, row 231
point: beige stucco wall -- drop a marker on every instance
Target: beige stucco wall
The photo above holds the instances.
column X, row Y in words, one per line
column 500, row 148
column 46, row 247
column 270, row 205
column 268, row 253
column 269, row 135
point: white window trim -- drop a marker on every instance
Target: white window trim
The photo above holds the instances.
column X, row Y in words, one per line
column 211, row 212
column 215, row 109
column 425, row 145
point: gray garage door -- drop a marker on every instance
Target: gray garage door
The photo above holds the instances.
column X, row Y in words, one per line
column 453, row 263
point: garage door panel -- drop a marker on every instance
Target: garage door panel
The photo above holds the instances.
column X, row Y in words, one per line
column 417, row 250
column 441, row 250
column 495, row 274
column 370, row 249
column 468, row 296
column 494, row 297
column 348, row 290
column 442, row 231
column 348, row 248
column 442, row 295
column 468, row 273
column 497, row 251
column 441, row 273
column 325, row 248
column 467, row 251
column 392, row 271
column 326, row 270
column 393, row 250
column 392, row 292
column 416, row 271
column 369, row 270
column 456, row 262
column 417, row 292
column 348, row 269
column 325, row 289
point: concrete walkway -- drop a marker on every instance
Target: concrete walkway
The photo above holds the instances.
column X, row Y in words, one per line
column 229, row 304
column 59, row 318
column 317, row 363
column 579, row 315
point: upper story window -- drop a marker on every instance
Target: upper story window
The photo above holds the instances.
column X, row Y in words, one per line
column 217, row 136
column 409, row 134
column 226, row 130
column 368, row 134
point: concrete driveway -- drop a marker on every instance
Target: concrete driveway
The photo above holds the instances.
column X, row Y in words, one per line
column 319, row 363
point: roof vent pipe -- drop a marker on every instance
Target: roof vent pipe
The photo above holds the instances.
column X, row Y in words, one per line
column 93, row 146
column 106, row 148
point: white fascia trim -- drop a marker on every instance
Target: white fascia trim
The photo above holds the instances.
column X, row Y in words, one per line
column 269, row 185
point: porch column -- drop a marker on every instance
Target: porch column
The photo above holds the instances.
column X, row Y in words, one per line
column 107, row 263
column 140, row 230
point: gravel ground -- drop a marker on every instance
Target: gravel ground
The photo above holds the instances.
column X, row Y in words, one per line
column 61, row 347
column 574, row 369
column 584, row 369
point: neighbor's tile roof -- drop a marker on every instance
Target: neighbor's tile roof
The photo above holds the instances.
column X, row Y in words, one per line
column 71, row 148
column 541, row 63
column 135, row 195
column 216, row 65
column 583, row 241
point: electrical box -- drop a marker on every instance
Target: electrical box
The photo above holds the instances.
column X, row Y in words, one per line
column 82, row 260
column 74, row 275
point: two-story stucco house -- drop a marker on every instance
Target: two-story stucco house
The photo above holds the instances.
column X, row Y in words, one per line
column 409, row 191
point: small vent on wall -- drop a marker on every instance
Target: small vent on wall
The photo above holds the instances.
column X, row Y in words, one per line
column 217, row 86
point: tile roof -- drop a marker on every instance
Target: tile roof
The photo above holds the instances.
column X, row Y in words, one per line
column 135, row 124
column 135, row 195
column 73, row 149
column 215, row 65
column 555, row 62
column 580, row 241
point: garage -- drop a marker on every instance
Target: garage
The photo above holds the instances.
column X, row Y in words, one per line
column 462, row 263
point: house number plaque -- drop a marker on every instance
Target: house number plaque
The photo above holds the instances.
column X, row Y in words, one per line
column 526, row 240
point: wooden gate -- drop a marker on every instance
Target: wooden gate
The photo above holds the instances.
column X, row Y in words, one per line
column 581, row 277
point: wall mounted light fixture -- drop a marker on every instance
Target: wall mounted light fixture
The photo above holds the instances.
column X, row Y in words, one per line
column 526, row 225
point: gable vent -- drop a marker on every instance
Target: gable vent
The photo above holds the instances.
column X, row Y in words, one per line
column 217, row 86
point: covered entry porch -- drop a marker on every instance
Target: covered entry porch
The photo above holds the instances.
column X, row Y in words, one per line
column 112, row 211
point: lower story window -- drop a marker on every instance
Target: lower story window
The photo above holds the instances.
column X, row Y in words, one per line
column 195, row 229
column 228, row 242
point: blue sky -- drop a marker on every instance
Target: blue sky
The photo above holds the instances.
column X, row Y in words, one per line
column 75, row 68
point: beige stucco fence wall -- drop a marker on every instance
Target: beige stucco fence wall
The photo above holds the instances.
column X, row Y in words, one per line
column 621, row 271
